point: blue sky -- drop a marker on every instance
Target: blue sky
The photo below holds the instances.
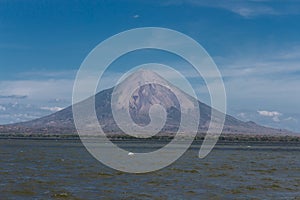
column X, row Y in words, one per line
column 256, row 45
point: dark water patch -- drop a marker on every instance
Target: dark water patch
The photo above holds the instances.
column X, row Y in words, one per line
column 217, row 175
column 179, row 170
column 234, row 191
column 23, row 192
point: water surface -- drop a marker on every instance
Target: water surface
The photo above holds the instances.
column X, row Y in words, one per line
column 60, row 169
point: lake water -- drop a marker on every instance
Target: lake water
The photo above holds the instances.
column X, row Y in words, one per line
column 60, row 169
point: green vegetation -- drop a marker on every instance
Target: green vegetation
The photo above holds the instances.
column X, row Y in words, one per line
column 163, row 137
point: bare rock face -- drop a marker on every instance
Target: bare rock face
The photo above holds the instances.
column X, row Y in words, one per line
column 148, row 95
column 146, row 91
column 152, row 94
column 142, row 98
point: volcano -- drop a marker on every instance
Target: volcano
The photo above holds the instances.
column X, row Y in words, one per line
column 140, row 102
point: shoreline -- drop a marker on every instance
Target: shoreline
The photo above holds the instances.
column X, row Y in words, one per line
column 223, row 139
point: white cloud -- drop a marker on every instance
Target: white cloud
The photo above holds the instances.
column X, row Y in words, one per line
column 18, row 112
column 246, row 9
column 53, row 109
column 251, row 11
column 271, row 63
column 35, row 96
column 269, row 82
column 37, row 90
column 59, row 74
column 242, row 115
column 2, row 108
column 274, row 114
column 12, row 97
column 135, row 16
column 269, row 113
column 291, row 119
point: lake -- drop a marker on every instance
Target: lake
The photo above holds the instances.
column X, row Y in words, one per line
column 63, row 169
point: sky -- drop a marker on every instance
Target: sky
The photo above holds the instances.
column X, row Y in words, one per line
column 255, row 44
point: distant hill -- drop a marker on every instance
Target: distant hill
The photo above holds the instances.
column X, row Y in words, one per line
column 141, row 100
